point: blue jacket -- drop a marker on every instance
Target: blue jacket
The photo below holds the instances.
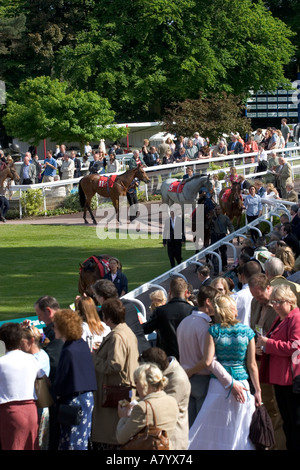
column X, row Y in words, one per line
column 120, row 282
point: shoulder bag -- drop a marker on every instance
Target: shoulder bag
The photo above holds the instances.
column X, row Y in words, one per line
column 150, row 438
column 44, row 398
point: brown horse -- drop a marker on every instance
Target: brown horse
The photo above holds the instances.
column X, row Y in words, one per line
column 113, row 187
column 90, row 271
column 232, row 204
column 9, row 172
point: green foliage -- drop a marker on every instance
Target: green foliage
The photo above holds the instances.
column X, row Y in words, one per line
column 211, row 115
column 43, row 108
column 32, row 201
column 71, row 203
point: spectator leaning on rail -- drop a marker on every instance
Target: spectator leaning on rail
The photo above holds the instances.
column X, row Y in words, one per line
column 28, row 170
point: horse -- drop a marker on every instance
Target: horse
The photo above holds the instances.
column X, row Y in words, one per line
column 173, row 191
column 107, row 186
column 231, row 202
column 9, row 172
column 91, row 270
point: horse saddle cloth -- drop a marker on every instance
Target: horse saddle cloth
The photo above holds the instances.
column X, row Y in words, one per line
column 176, row 187
column 101, row 263
column 106, row 181
column 226, row 195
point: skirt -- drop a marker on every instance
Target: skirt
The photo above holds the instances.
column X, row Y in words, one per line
column 222, row 423
column 19, row 425
column 77, row 437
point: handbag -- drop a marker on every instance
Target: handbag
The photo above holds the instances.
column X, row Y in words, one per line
column 150, row 438
column 112, row 394
column 296, row 381
column 69, row 415
column 44, row 398
column 261, row 431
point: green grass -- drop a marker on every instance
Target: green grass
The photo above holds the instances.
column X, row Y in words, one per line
column 44, row 260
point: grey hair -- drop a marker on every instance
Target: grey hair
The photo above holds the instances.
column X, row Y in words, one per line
column 274, row 267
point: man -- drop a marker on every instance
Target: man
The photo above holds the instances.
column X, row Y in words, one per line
column 178, row 386
column 67, row 170
column 105, row 289
column 152, row 157
column 96, row 165
column 274, row 269
column 77, row 164
column 162, row 150
column 191, row 337
column 245, row 184
column 28, row 170
column 274, row 141
column 4, row 206
column 191, row 151
column 173, row 237
column 262, row 318
column 220, row 150
column 45, row 308
column 286, row 231
column 235, row 146
column 283, row 175
column 285, row 131
column 290, row 194
column 198, row 140
column 50, row 166
column 203, row 273
column 136, row 160
column 243, row 298
column 220, row 224
column 166, row 318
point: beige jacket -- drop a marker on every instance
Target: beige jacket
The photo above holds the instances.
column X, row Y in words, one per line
column 166, row 413
column 115, row 362
column 179, row 387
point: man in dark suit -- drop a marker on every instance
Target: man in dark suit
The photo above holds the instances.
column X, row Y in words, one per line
column 166, row 318
column 203, row 273
column 245, row 184
column 289, row 238
column 173, row 237
column 235, row 146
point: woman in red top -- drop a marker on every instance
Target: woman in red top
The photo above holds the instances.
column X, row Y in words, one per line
column 280, row 361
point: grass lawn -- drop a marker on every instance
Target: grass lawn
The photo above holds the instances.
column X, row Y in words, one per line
column 44, row 260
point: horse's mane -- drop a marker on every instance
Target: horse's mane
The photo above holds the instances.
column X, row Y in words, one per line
column 196, row 177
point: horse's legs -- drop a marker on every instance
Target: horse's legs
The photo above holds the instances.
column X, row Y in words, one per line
column 88, row 207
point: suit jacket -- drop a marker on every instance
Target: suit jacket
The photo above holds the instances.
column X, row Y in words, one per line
column 179, row 387
column 239, row 148
column 166, row 319
column 256, row 316
column 31, row 173
column 173, row 235
column 280, row 350
column 115, row 362
column 292, row 241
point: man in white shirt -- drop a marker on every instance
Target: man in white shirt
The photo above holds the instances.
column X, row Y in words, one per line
column 191, row 337
column 243, row 298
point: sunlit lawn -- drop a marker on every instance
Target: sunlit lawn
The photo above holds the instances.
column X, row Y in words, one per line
column 44, row 260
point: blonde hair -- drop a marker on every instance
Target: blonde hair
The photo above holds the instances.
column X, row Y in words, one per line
column 224, row 313
column 86, row 309
column 286, row 255
column 284, row 292
column 150, row 375
column 157, row 298
column 30, row 331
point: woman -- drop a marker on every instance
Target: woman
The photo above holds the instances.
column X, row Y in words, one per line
column 157, row 298
column 223, row 422
column 75, row 380
column 272, row 192
column 150, row 383
column 31, row 343
column 286, row 254
column 145, row 148
column 93, row 329
column 85, row 165
column 117, row 277
column 18, row 412
column 113, row 164
column 251, row 147
column 221, row 284
column 267, row 138
column 253, row 206
column 262, row 159
column 115, row 362
column 280, row 360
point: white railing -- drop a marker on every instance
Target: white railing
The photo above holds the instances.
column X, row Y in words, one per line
column 292, row 154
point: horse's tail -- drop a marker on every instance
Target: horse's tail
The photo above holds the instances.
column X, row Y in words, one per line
column 82, row 197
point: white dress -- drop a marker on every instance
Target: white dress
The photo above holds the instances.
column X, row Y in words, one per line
column 223, row 423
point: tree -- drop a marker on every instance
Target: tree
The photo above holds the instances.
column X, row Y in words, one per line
column 144, row 54
column 44, row 108
column 211, row 116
